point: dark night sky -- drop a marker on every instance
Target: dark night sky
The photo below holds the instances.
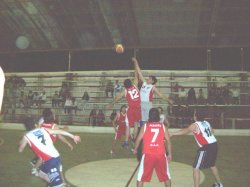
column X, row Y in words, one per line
column 162, row 59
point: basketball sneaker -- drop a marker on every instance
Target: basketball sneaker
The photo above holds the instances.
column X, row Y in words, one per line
column 217, row 185
column 34, row 172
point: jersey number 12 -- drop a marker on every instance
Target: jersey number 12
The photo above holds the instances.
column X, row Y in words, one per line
column 133, row 94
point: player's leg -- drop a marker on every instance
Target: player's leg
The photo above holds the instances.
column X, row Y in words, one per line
column 162, row 169
column 216, row 176
column 139, row 184
column 196, row 176
column 145, row 170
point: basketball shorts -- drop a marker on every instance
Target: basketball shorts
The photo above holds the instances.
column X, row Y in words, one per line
column 121, row 130
column 148, row 163
column 133, row 116
column 145, row 108
column 206, row 156
column 52, row 168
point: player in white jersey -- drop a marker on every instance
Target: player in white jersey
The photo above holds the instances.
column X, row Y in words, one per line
column 207, row 152
column 147, row 92
column 39, row 139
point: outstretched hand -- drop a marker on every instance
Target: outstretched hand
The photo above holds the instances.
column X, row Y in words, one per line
column 77, row 139
column 134, row 60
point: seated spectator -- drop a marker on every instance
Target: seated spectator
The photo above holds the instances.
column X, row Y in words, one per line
column 201, row 98
column 36, row 98
column 236, row 96
column 55, row 99
column 92, row 118
column 22, row 100
column 109, row 89
column 30, row 98
column 68, row 105
column 112, row 115
column 117, row 87
column 42, row 98
column 191, row 98
column 100, row 118
column 182, row 96
column 226, row 95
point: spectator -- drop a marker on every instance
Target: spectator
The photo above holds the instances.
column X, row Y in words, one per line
column 109, row 89
column 226, row 95
column 68, row 105
column 201, row 98
column 92, row 118
column 236, row 96
column 42, row 98
column 112, row 115
column 176, row 92
column 74, row 104
column 36, row 98
column 191, row 98
column 117, row 87
column 22, row 100
column 84, row 101
column 182, row 96
column 212, row 95
column 55, row 99
column 30, row 98
column 100, row 118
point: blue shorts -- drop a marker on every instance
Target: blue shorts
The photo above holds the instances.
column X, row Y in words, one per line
column 51, row 167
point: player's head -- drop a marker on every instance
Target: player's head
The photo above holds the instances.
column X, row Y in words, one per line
column 152, row 80
column 29, row 124
column 48, row 116
column 127, row 83
column 123, row 108
column 199, row 115
column 154, row 115
column 160, row 110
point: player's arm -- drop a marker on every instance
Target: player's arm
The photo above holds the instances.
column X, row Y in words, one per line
column 64, row 133
column 169, row 145
column 164, row 97
column 166, row 122
column 191, row 128
column 63, row 139
column 138, row 69
column 138, row 139
column 22, row 144
column 2, row 81
column 118, row 97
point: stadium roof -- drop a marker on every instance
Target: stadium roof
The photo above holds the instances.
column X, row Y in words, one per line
column 27, row 25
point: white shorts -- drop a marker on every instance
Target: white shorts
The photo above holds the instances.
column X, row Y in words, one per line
column 145, row 108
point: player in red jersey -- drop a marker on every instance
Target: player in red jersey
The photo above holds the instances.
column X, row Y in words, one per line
column 40, row 142
column 207, row 153
column 2, row 81
column 154, row 136
column 120, row 129
column 132, row 95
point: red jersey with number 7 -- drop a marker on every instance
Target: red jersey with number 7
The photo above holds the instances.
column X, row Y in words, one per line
column 153, row 138
column 133, row 96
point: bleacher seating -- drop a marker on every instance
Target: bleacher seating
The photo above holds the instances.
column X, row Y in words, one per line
column 94, row 83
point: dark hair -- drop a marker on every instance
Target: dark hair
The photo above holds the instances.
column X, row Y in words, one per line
column 29, row 124
column 48, row 116
column 200, row 116
column 123, row 107
column 159, row 107
column 154, row 79
column 154, row 115
column 127, row 83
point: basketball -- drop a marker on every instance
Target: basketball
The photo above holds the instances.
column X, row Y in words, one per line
column 119, row 48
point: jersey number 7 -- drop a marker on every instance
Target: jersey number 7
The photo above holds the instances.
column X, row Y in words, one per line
column 156, row 132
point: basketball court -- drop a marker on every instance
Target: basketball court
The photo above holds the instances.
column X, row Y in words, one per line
column 116, row 173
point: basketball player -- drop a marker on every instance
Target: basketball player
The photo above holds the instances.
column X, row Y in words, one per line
column 39, row 139
column 47, row 121
column 120, row 130
column 207, row 153
column 2, row 81
column 154, row 156
column 147, row 92
column 132, row 95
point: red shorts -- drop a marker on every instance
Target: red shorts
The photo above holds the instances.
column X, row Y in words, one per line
column 121, row 130
column 133, row 116
column 149, row 162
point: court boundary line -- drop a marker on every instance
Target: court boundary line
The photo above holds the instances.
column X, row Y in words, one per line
column 110, row 130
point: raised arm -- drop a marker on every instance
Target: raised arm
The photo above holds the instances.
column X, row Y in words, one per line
column 164, row 97
column 137, row 69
